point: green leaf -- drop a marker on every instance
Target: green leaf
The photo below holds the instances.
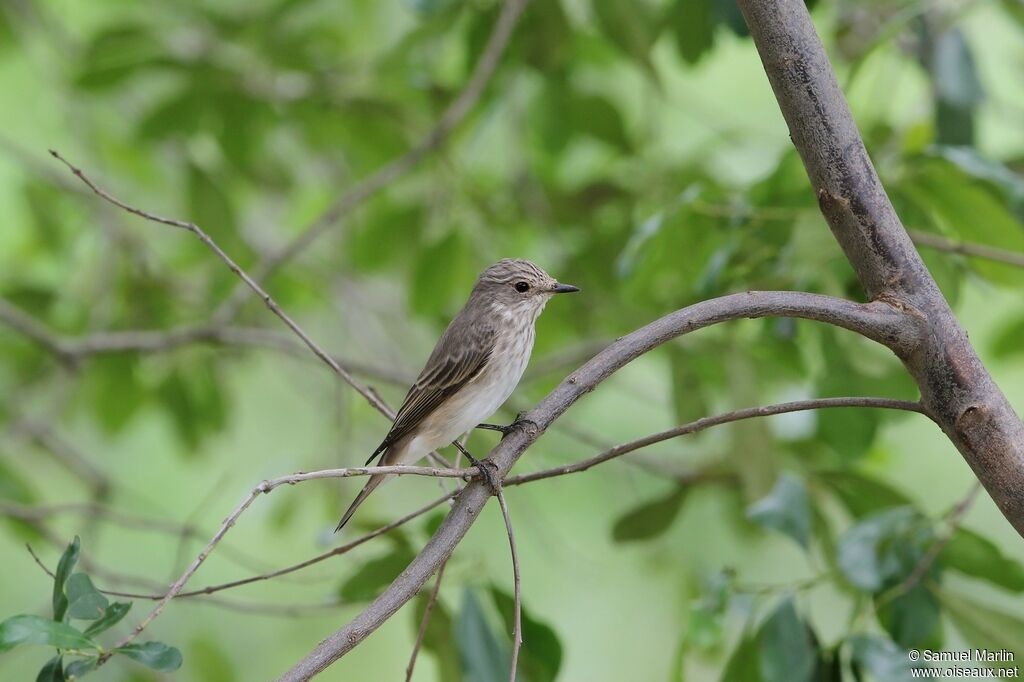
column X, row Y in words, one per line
column 883, row 548
column 631, row 28
column 112, row 615
column 26, row 629
column 884, row 660
column 84, row 601
column 53, row 671
column 912, row 619
column 979, row 557
column 155, row 655
column 64, row 567
column 76, row 670
column 650, row 519
column 115, row 393
column 785, row 509
column 196, row 403
column 440, row 277
column 984, row 626
column 693, row 26
column 744, row 663
column 542, row 658
column 1007, row 343
column 376, row 574
column 785, row 647
column 117, row 53
column 861, row 494
column 439, row 638
column 483, row 657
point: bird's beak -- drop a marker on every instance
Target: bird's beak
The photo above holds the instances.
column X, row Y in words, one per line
column 564, row 289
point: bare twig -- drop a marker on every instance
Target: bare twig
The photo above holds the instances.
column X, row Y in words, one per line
column 424, row 623
column 953, row 520
column 716, row 420
column 940, row 243
column 200, row 234
column 517, row 627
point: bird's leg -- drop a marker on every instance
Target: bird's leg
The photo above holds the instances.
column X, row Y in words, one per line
column 505, row 430
column 485, row 466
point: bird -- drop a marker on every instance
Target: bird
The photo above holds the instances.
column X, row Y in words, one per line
column 473, row 369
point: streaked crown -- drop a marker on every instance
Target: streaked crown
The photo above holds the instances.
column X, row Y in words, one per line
column 517, row 286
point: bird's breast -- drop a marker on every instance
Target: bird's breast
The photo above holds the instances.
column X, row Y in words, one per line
column 481, row 397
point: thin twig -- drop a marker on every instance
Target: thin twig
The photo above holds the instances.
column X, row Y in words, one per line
column 716, row 420
column 424, row 622
column 953, row 520
column 940, row 243
column 517, row 627
column 370, row 396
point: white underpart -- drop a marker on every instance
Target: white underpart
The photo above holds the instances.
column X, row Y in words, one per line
column 488, row 391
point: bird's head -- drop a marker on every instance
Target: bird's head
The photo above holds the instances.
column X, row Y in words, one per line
column 517, row 288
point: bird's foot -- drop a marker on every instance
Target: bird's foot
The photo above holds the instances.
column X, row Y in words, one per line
column 520, row 420
column 488, row 469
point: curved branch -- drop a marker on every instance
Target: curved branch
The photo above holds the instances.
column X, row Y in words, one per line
column 954, row 384
column 877, row 321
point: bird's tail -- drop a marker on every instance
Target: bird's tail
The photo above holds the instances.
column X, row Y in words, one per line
column 371, row 484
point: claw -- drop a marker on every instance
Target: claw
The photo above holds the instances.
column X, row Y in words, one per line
column 486, row 467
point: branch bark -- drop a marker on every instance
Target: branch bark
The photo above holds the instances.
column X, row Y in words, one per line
column 878, row 321
column 955, row 386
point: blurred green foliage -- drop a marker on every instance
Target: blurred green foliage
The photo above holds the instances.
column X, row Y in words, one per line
column 630, row 148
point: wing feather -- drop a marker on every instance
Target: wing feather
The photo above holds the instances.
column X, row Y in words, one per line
column 459, row 356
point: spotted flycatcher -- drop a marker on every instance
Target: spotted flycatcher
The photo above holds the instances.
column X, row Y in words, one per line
column 474, row 368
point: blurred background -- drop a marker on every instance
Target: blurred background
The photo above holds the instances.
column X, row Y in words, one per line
column 633, row 149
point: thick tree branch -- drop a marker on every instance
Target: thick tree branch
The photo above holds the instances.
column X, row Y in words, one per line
column 877, row 321
column 955, row 386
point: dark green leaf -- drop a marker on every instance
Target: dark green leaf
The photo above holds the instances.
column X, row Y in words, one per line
column 541, row 660
column 112, row 615
column 693, row 24
column 862, row 494
column 912, row 619
column 785, row 509
column 155, row 655
column 84, row 601
column 64, row 568
column 631, row 28
column 1007, row 342
column 650, row 519
column 884, row 660
column 28, row 629
column 116, row 54
column 440, row 275
column 743, row 664
column 984, row 626
column 76, row 670
column 483, row 657
column 53, row 671
column 979, row 557
column 439, row 638
column 785, row 647
column 883, row 548
column 375, row 575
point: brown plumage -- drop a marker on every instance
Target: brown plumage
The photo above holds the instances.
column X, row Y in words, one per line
column 473, row 369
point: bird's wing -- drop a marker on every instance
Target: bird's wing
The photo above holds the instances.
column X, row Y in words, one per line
column 460, row 355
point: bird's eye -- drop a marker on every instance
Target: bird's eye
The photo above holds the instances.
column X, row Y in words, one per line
column 522, row 287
